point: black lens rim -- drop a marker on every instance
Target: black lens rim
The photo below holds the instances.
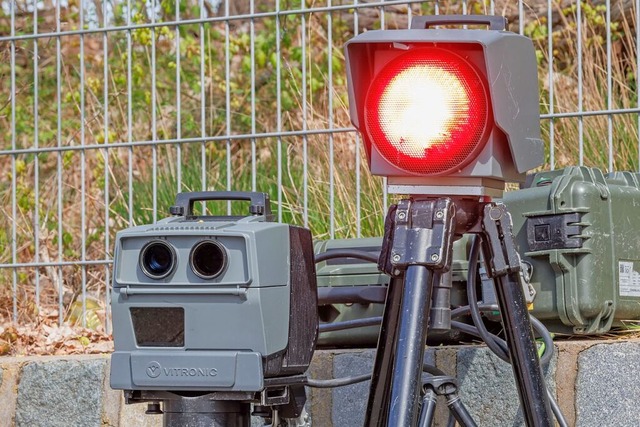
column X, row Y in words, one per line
column 223, row 252
column 144, row 251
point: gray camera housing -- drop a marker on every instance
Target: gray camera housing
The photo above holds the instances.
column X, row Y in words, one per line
column 256, row 319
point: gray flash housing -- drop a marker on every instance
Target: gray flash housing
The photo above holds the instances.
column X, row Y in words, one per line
column 241, row 318
column 505, row 61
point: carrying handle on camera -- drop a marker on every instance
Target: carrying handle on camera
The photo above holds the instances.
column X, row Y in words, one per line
column 498, row 23
column 260, row 204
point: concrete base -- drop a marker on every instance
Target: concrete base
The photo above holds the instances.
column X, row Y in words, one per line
column 596, row 383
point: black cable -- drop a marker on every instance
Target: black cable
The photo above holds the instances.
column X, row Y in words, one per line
column 555, row 408
column 432, row 370
column 472, row 296
column 501, row 345
column 540, row 329
column 337, row 382
column 346, row 253
column 474, row 309
column 350, row 324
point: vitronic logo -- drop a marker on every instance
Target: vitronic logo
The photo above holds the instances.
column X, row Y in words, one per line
column 190, row 372
column 154, row 370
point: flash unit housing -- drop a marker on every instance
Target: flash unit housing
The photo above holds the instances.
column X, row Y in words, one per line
column 504, row 62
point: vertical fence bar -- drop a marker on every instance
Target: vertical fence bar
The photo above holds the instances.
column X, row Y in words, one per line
column 178, row 103
column 129, row 114
column 521, row 17
column 305, row 138
column 609, row 87
column 580, row 83
column 105, row 154
column 14, row 179
column 227, row 73
column 331, row 125
column 83, row 172
column 279, row 106
column 252, row 40
column 59, row 164
column 154, row 113
column 385, row 192
column 550, row 80
column 203, row 113
column 637, row 24
column 36, row 162
column 357, row 149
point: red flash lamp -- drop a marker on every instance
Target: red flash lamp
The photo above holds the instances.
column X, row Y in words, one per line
column 446, row 111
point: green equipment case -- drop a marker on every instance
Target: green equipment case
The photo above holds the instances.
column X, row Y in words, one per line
column 350, row 272
column 578, row 231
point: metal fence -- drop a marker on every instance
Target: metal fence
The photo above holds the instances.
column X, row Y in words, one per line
column 109, row 108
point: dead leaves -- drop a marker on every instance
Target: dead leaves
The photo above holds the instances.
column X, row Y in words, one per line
column 46, row 337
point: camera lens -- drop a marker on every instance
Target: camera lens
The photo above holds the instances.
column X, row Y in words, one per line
column 208, row 259
column 157, row 259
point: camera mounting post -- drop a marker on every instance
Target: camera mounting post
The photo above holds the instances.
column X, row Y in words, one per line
column 417, row 248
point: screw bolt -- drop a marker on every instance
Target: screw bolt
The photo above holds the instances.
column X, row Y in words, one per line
column 440, row 214
column 435, row 257
column 402, row 215
column 396, row 258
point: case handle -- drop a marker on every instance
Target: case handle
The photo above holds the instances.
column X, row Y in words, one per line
column 497, row 23
column 260, row 204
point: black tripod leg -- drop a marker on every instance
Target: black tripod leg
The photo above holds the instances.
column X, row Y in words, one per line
column 459, row 411
column 428, row 410
column 383, row 366
column 500, row 253
column 523, row 351
column 409, row 354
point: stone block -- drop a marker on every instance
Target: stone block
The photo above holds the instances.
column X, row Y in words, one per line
column 607, row 386
column 350, row 402
column 63, row 393
column 487, row 387
column 9, row 374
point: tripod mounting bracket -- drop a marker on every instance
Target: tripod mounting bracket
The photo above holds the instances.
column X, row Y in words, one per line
column 442, row 385
column 418, row 232
column 499, row 248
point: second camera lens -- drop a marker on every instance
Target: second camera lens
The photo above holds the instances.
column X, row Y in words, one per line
column 208, row 259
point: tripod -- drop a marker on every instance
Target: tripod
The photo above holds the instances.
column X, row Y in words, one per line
column 417, row 248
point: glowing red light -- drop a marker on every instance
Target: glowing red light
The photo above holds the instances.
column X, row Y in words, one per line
column 427, row 111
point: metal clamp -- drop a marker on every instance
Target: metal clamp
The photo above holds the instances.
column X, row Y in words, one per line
column 419, row 233
column 499, row 250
